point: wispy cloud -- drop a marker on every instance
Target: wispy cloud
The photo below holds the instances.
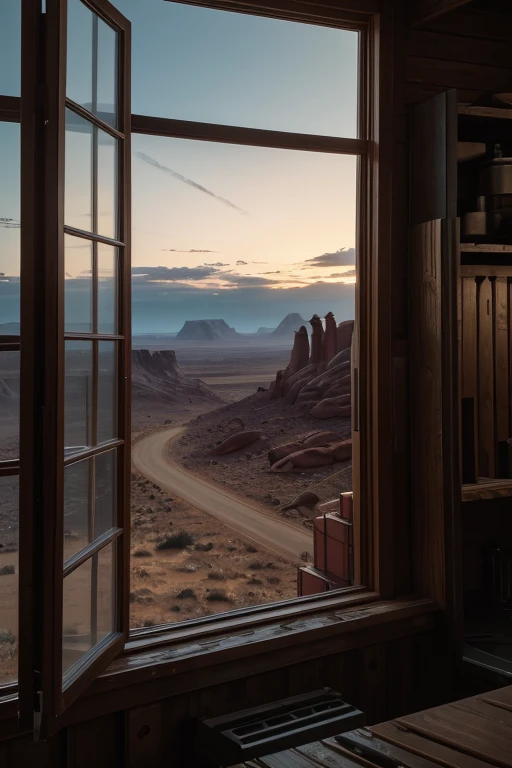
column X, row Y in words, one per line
column 7, row 223
column 150, row 161
column 241, row 263
column 190, row 250
column 173, row 273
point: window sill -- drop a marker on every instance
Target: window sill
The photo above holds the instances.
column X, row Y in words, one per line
column 148, row 673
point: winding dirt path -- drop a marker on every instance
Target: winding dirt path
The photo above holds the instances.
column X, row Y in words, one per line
column 151, row 458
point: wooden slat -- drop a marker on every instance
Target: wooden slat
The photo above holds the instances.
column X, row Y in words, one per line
column 320, row 754
column 454, row 74
column 500, row 698
column 501, row 358
column 485, row 270
column 369, row 744
column 396, row 734
column 485, row 379
column 469, row 23
column 436, row 45
column 422, row 11
column 469, row 338
column 479, row 737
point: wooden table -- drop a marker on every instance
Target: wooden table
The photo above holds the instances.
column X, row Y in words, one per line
column 472, row 733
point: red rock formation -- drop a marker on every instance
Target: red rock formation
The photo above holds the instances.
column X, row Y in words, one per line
column 276, row 388
column 315, row 457
column 333, row 407
column 311, row 440
column 330, row 338
column 299, row 358
column 317, row 341
column 344, row 335
column 236, row 442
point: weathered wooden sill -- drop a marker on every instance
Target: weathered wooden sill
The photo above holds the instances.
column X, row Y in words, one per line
column 148, row 674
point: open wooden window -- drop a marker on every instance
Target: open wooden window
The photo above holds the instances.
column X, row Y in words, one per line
column 81, row 351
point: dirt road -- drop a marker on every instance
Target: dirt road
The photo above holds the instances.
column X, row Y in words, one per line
column 150, row 456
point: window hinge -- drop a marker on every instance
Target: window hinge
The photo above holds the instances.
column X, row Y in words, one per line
column 38, row 713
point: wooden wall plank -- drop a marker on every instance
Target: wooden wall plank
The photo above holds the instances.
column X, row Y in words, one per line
column 486, row 431
column 501, row 358
column 473, row 24
column 143, row 740
column 456, row 48
column 454, row 74
column 469, row 337
column 97, row 743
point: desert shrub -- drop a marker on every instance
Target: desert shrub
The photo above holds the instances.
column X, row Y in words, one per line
column 148, row 623
column 141, row 573
column 251, row 549
column 176, row 541
column 6, row 570
column 256, row 565
column 217, row 595
column 176, row 608
column 273, row 579
column 186, row 594
column 255, row 582
column 216, row 576
column 204, row 547
column 142, row 553
column 7, row 637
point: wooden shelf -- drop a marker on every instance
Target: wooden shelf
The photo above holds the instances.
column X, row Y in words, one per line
column 487, row 488
column 485, row 270
column 486, row 247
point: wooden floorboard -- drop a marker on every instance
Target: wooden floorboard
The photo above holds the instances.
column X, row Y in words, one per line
column 472, row 733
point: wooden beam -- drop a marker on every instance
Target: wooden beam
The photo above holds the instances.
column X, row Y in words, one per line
column 422, row 11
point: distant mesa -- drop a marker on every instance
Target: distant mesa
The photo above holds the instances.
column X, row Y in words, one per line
column 206, row 330
column 291, row 323
column 157, row 375
column 265, row 330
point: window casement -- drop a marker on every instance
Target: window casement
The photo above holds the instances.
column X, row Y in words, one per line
column 69, row 138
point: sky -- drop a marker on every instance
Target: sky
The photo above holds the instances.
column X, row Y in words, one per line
column 219, row 231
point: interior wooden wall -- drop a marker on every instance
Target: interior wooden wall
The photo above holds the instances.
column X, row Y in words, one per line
column 383, row 680
column 468, row 50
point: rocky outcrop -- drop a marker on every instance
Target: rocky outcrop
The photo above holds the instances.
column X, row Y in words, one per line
column 326, row 376
column 317, row 341
column 333, row 407
column 330, row 338
column 311, row 440
column 299, row 358
column 236, row 442
column 206, row 330
column 344, row 333
column 158, row 375
column 315, row 457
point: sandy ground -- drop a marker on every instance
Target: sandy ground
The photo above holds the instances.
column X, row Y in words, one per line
column 151, row 457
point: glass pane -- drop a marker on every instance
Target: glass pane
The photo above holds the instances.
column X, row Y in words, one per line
column 107, row 185
column 78, row 183
column 79, row 54
column 77, row 507
column 9, row 405
column 251, row 71
column 104, row 511
column 88, row 607
column 78, row 396
column 77, row 615
column 91, row 62
column 107, row 391
column 106, row 592
column 9, row 516
column 9, row 224
column 10, row 48
column 107, row 288
column 78, row 284
column 107, row 74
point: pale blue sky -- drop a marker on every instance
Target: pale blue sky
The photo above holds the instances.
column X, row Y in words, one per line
column 197, row 64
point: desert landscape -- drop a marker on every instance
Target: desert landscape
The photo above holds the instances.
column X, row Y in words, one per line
column 238, row 440
column 187, row 561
